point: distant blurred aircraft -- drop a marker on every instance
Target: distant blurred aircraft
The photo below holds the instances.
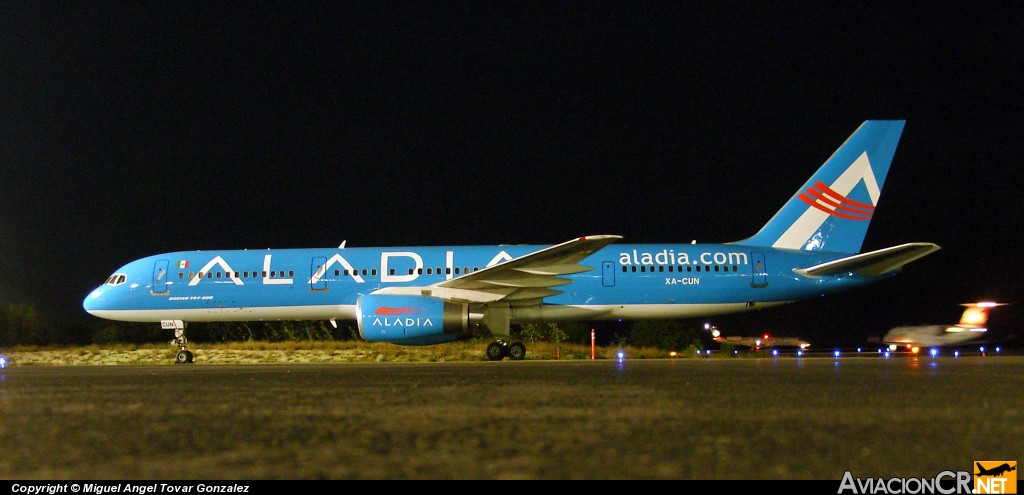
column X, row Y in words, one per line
column 970, row 328
column 763, row 342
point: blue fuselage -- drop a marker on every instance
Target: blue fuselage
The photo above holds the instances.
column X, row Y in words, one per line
column 627, row 281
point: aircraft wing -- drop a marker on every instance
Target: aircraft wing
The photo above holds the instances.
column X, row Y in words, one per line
column 528, row 277
column 873, row 263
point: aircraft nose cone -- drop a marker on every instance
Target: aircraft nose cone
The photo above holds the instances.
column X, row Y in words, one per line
column 94, row 301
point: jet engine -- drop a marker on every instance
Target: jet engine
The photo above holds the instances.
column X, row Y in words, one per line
column 410, row 320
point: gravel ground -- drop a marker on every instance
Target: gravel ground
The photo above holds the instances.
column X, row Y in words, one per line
column 811, row 418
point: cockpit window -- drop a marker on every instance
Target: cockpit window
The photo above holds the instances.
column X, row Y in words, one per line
column 116, row 279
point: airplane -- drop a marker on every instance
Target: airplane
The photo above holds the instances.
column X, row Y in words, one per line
column 764, row 342
column 433, row 294
column 996, row 471
column 970, row 328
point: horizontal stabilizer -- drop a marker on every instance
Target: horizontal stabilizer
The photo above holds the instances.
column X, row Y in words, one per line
column 873, row 263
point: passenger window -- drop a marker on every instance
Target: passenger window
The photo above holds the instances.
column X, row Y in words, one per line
column 291, row 273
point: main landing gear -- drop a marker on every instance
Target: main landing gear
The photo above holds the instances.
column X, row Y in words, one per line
column 498, row 350
column 184, row 356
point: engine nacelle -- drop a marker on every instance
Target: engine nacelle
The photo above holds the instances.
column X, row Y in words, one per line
column 410, row 320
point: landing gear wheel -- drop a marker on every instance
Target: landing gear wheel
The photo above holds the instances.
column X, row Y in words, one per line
column 183, row 357
column 517, row 351
column 496, row 350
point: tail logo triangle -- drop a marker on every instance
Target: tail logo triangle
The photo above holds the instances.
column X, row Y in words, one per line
column 825, row 201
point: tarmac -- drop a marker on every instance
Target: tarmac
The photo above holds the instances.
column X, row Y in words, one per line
column 811, row 418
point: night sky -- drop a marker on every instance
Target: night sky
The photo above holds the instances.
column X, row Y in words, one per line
column 134, row 128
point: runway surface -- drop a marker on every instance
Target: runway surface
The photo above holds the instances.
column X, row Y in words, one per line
column 782, row 418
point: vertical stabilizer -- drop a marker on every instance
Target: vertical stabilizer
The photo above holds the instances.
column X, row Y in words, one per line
column 832, row 210
column 976, row 314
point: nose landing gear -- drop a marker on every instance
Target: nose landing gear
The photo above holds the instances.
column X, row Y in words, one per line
column 184, row 356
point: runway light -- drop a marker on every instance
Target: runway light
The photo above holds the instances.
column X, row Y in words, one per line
column 672, row 354
column 886, row 354
column 775, row 352
column 982, row 349
column 3, row 362
column 997, row 349
column 956, row 353
column 935, row 352
column 735, row 352
column 621, row 355
column 858, row 349
column 836, row 354
column 799, row 353
column 708, row 352
column 915, row 349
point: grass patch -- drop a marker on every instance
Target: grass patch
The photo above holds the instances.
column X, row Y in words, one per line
column 312, row 351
